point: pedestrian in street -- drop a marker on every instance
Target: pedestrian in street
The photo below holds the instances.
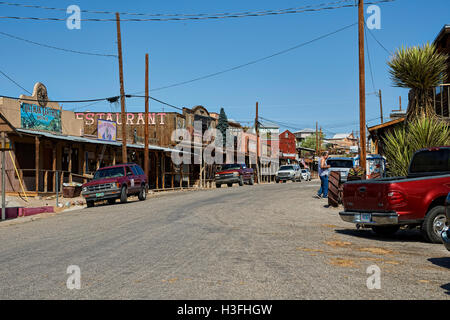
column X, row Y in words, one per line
column 323, row 174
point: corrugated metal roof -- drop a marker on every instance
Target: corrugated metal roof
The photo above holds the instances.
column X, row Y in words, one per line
column 89, row 140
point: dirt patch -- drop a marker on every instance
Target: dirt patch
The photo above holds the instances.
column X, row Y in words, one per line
column 172, row 280
column 341, row 262
column 338, row 243
column 332, row 226
column 309, row 250
column 376, row 250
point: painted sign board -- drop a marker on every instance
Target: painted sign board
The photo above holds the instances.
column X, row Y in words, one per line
column 106, row 130
column 35, row 117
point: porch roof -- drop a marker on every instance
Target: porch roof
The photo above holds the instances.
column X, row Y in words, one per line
column 95, row 141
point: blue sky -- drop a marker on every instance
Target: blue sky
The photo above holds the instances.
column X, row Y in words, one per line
column 318, row 82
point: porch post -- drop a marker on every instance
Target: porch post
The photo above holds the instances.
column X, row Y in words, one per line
column 36, row 161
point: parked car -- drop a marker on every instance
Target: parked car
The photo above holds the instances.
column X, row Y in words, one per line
column 234, row 173
column 116, row 182
column 288, row 172
column 445, row 235
column 306, row 174
column 341, row 165
column 417, row 200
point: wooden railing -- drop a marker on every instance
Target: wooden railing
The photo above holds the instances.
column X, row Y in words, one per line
column 46, row 180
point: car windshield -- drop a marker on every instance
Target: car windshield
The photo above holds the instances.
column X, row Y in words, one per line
column 431, row 161
column 109, row 173
column 286, row 168
column 335, row 163
column 230, row 167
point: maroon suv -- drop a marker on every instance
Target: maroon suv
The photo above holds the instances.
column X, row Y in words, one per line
column 116, row 182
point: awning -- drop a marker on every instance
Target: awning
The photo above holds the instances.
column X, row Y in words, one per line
column 95, row 141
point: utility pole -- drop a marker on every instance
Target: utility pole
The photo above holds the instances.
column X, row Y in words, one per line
column 3, row 176
column 362, row 88
column 257, row 142
column 400, row 102
column 146, row 118
column 320, row 139
column 122, row 93
column 317, row 139
column 381, row 106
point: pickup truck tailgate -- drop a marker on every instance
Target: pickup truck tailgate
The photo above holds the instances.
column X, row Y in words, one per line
column 370, row 195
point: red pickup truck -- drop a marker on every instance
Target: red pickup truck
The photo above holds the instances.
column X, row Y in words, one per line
column 116, row 182
column 417, row 200
column 234, row 173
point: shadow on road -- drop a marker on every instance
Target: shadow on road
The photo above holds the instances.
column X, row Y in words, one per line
column 444, row 263
column 399, row 236
column 446, row 287
column 441, row 262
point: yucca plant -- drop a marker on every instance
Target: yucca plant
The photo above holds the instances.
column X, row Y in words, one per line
column 402, row 142
column 419, row 68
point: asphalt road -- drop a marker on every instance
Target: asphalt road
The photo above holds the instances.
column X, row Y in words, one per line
column 270, row 241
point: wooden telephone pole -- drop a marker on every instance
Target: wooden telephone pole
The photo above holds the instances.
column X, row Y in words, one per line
column 146, row 118
column 381, row 106
column 362, row 88
column 317, row 139
column 122, row 92
column 257, row 142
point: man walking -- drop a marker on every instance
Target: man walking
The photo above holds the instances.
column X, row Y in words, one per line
column 323, row 174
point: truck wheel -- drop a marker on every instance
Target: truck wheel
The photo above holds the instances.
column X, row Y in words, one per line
column 143, row 193
column 123, row 195
column 277, row 181
column 385, row 230
column 433, row 224
column 218, row 185
column 89, row 204
column 229, row 184
column 241, row 181
column 252, row 181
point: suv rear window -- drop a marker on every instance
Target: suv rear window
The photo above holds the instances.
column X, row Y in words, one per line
column 431, row 161
column 340, row 163
column 109, row 173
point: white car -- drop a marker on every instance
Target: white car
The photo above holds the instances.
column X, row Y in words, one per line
column 306, row 174
column 288, row 172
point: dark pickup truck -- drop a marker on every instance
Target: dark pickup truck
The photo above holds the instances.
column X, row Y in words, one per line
column 234, row 173
column 116, row 182
column 417, row 200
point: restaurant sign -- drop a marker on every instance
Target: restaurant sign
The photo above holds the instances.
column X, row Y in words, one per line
column 106, row 130
column 36, row 117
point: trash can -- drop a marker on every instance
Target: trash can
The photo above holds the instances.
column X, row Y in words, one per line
column 71, row 190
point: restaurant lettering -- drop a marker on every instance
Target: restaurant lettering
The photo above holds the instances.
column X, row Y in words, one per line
column 132, row 118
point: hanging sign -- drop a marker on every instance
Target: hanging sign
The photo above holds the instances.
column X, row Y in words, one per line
column 106, row 130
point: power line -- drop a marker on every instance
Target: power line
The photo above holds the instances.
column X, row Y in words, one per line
column 370, row 62
column 254, row 61
column 173, row 14
column 157, row 100
column 56, row 48
column 381, row 45
column 252, row 14
column 109, row 99
column 10, row 79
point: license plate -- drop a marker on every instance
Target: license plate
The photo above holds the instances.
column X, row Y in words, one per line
column 366, row 217
column 100, row 194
